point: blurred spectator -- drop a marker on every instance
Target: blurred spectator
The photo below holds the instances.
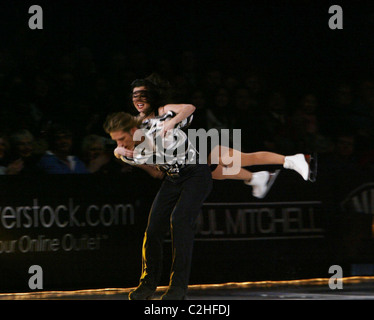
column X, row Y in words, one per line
column 363, row 116
column 274, row 126
column 99, row 159
column 306, row 127
column 345, row 147
column 245, row 116
column 344, row 154
column 219, row 113
column 339, row 110
column 42, row 107
column 199, row 100
column 366, row 160
column 24, row 160
column 305, row 116
column 213, row 80
column 4, row 150
column 58, row 159
column 256, row 90
column 364, row 106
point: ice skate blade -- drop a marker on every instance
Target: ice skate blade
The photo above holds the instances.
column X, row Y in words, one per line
column 312, row 160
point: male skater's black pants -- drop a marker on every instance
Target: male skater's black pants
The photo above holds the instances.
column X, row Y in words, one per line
column 177, row 206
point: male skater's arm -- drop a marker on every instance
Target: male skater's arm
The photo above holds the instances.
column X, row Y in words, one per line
column 126, row 156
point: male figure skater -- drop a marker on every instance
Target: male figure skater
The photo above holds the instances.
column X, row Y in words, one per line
column 176, row 205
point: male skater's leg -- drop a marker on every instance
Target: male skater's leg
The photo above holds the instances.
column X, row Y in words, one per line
column 195, row 191
column 158, row 225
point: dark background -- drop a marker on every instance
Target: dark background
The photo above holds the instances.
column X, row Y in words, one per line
column 80, row 66
column 103, row 46
column 292, row 35
column 291, row 29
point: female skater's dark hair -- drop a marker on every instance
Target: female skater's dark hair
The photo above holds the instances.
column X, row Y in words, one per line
column 158, row 91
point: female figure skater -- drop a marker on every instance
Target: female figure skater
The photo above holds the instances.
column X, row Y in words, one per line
column 149, row 97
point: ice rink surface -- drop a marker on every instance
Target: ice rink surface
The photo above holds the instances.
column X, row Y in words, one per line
column 353, row 288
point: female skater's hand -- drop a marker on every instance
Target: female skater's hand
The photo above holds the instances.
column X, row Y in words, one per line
column 121, row 151
column 167, row 127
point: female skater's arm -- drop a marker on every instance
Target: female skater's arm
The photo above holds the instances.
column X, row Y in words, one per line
column 182, row 111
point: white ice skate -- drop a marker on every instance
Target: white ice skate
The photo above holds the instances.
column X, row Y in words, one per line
column 305, row 165
column 261, row 182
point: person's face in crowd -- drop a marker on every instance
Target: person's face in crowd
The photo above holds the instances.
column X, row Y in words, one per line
column 124, row 139
column 94, row 150
column 140, row 99
column 24, row 147
column 63, row 142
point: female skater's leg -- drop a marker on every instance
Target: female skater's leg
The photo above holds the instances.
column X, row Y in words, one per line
column 232, row 158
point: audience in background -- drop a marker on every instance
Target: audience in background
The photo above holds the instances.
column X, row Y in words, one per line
column 4, row 149
column 24, row 160
column 80, row 90
column 58, row 159
column 97, row 155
